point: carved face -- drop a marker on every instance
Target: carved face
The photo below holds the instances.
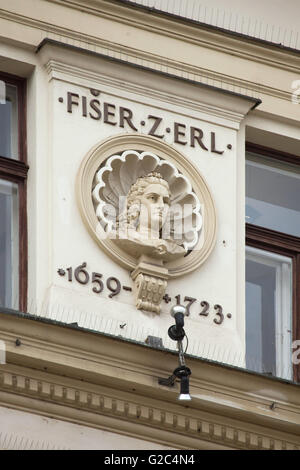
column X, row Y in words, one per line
column 155, row 203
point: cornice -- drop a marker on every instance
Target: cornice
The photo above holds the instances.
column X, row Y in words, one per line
column 170, row 11
column 200, row 34
column 194, row 74
column 167, row 27
column 104, row 409
column 202, row 75
column 213, row 104
column 84, row 77
column 63, row 372
column 127, row 413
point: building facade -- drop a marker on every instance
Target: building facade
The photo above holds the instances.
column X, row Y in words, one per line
column 108, row 108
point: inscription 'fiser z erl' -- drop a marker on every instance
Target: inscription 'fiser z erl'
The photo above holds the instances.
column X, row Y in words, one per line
column 120, row 116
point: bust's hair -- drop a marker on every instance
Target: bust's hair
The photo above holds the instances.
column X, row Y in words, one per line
column 137, row 189
column 135, row 193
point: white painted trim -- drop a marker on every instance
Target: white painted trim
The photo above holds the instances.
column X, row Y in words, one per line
column 283, row 306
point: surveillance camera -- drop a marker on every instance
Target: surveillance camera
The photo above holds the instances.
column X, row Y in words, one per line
column 176, row 332
column 178, row 309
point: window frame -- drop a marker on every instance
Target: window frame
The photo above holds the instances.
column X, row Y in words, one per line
column 282, row 319
column 16, row 171
column 281, row 243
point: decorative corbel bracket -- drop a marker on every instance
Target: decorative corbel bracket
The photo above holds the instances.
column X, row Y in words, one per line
column 150, row 284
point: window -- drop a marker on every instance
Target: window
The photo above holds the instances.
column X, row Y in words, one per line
column 13, row 173
column 272, row 261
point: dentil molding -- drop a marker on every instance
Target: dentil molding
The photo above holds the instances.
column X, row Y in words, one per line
column 144, row 84
column 110, row 384
column 187, row 429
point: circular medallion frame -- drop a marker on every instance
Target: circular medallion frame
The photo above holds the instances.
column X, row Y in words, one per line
column 140, row 142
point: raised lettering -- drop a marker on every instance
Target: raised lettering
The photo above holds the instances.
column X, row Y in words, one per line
column 84, row 107
column 107, row 113
column 197, row 135
column 157, row 121
column 126, row 115
column 94, row 104
column 70, row 101
column 178, row 133
column 213, row 144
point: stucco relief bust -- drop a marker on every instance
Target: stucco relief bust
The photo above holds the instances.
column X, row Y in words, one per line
column 142, row 198
column 144, row 225
column 148, row 209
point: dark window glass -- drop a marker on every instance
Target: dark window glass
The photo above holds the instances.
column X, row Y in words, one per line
column 273, row 195
column 8, row 121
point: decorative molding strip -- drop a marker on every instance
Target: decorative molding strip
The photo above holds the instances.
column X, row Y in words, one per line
column 201, row 34
column 207, row 39
column 66, row 345
column 190, row 72
column 225, row 20
column 203, row 76
column 130, row 410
